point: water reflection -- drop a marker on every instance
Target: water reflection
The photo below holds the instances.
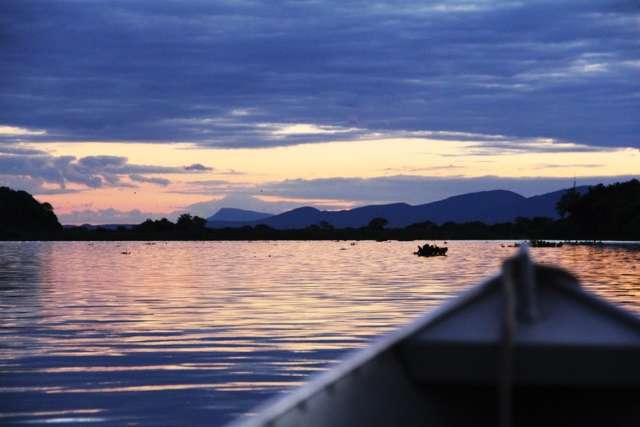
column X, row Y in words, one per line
column 198, row 332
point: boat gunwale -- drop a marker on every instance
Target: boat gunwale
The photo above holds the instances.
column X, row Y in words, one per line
column 595, row 301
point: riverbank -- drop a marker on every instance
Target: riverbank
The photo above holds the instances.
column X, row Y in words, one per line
column 473, row 231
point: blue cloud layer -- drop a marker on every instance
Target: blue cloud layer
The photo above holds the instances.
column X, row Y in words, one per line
column 31, row 169
column 215, row 73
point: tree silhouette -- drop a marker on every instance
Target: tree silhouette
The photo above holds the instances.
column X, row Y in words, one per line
column 377, row 223
column 607, row 212
column 19, row 211
column 325, row 225
column 568, row 202
column 191, row 223
column 185, row 221
column 198, row 222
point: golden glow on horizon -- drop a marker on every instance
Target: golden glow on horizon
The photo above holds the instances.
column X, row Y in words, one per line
column 365, row 159
column 362, row 159
column 145, row 198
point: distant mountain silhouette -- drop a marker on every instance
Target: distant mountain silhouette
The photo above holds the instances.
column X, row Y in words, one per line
column 235, row 215
column 20, row 212
column 490, row 207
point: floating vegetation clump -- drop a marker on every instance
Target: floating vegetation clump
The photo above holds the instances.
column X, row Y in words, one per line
column 428, row 250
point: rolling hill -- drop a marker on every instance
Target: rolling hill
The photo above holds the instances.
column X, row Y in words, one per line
column 486, row 206
column 232, row 215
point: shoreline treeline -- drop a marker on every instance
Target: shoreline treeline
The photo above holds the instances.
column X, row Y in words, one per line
column 609, row 212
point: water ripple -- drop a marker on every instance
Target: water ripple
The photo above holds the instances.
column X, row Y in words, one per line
column 199, row 332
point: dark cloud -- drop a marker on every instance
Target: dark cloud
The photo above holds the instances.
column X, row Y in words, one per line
column 568, row 166
column 152, row 180
column 20, row 151
column 197, row 167
column 502, row 147
column 37, row 169
column 227, row 73
column 32, row 185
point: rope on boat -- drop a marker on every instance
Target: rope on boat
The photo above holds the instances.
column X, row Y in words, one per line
column 518, row 282
column 505, row 385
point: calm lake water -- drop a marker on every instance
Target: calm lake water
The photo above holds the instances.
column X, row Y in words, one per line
column 199, row 332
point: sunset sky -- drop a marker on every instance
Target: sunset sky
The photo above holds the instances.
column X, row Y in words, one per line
column 115, row 111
